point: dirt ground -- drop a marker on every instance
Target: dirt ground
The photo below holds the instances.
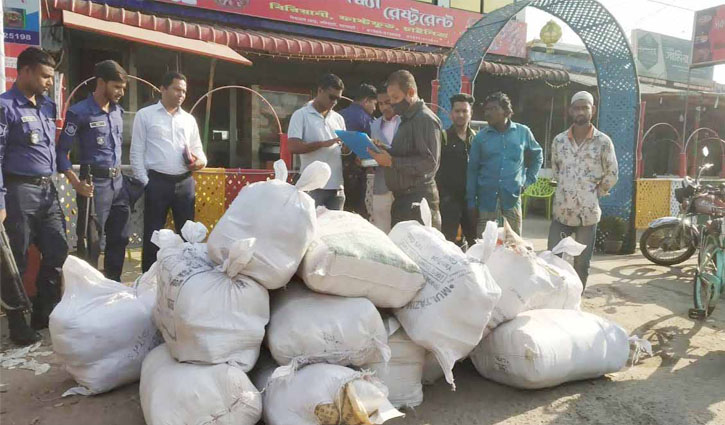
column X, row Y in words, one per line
column 684, row 383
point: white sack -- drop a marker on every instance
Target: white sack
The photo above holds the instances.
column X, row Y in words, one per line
column 207, row 313
column 431, row 369
column 352, row 258
column 279, row 217
column 175, row 393
column 318, row 394
column 102, row 329
column 307, row 327
column 451, row 311
column 544, row 348
column 528, row 281
column 562, row 270
column 404, row 372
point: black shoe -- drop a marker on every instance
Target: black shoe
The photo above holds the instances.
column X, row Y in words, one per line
column 114, row 277
column 20, row 333
column 41, row 313
column 38, row 320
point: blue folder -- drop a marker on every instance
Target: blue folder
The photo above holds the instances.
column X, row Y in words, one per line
column 358, row 142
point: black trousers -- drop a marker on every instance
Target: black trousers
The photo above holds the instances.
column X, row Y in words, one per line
column 164, row 192
column 455, row 213
column 109, row 219
column 355, row 183
column 34, row 216
column 406, row 205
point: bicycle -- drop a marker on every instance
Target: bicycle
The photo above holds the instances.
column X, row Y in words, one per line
column 710, row 275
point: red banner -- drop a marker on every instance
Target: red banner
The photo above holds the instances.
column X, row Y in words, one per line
column 709, row 37
column 405, row 20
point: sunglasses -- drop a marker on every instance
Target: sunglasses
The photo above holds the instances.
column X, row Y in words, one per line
column 334, row 97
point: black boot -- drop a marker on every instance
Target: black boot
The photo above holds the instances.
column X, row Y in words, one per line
column 41, row 313
column 39, row 318
column 20, row 333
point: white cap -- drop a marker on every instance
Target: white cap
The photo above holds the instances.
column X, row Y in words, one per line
column 583, row 95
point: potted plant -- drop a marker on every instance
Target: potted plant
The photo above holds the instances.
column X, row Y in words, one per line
column 613, row 229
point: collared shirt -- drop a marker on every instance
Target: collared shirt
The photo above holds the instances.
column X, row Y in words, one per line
column 416, row 150
column 584, row 172
column 451, row 177
column 159, row 139
column 100, row 134
column 27, row 136
column 500, row 164
column 383, row 130
column 356, row 118
column 308, row 125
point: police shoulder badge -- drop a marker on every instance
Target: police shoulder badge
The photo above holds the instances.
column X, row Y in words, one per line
column 71, row 129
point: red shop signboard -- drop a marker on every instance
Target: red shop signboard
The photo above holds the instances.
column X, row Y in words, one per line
column 709, row 37
column 406, row 20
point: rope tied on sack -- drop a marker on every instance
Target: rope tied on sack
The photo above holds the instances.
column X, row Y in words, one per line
column 238, row 256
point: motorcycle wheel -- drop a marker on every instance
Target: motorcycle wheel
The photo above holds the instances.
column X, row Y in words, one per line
column 650, row 242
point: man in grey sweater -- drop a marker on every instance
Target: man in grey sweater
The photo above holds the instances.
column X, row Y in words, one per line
column 412, row 161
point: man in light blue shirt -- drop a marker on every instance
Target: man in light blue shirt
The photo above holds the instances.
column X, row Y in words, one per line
column 312, row 136
column 504, row 159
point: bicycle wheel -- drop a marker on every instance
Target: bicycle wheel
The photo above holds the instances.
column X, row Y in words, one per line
column 709, row 269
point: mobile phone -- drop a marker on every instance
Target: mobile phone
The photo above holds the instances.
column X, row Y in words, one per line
column 188, row 158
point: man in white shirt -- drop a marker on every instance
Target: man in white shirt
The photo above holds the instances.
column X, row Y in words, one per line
column 165, row 149
column 312, row 136
column 383, row 130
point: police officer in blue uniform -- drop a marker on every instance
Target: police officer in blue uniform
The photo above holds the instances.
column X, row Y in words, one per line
column 29, row 202
column 97, row 124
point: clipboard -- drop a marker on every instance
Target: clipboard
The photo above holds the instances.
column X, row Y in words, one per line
column 358, row 142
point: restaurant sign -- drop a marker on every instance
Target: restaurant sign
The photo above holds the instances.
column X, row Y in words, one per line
column 405, row 20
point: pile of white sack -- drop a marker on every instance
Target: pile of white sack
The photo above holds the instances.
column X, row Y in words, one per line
column 353, row 321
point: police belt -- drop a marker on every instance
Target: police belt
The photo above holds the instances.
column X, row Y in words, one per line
column 100, row 172
column 34, row 180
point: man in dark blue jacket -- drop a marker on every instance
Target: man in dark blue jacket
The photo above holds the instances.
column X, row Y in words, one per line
column 96, row 123
column 358, row 117
column 29, row 205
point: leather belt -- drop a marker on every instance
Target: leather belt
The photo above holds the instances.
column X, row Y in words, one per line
column 170, row 177
column 100, row 172
column 35, row 180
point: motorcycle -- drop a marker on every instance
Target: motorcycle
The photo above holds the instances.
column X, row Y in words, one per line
column 672, row 240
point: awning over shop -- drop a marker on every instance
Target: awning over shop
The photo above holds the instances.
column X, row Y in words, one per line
column 253, row 41
column 154, row 38
column 525, row 72
column 644, row 88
